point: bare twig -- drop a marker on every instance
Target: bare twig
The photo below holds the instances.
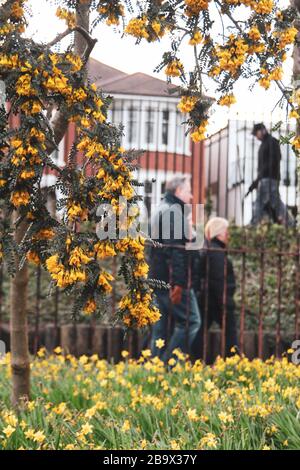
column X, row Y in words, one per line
column 59, row 37
column 90, row 41
column 227, row 12
column 284, row 92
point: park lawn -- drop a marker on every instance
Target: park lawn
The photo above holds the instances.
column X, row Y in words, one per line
column 87, row 403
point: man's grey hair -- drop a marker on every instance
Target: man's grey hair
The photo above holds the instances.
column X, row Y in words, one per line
column 176, row 182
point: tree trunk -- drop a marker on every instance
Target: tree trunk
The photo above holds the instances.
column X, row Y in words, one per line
column 20, row 362
column 83, row 20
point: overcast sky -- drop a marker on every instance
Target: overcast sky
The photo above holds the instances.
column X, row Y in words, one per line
column 123, row 54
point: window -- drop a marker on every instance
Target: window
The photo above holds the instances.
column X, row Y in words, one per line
column 179, row 130
column 148, row 195
column 165, row 126
column 110, row 115
column 149, row 125
column 132, row 125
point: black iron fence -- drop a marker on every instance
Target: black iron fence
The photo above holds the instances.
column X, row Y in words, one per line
column 267, row 272
column 266, row 313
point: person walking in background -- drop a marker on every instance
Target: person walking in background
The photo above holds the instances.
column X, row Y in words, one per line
column 170, row 263
column 211, row 282
column 268, row 202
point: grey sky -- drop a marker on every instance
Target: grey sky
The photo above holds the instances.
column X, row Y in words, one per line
column 123, row 54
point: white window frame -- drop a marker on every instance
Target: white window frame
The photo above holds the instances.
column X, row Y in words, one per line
column 123, row 103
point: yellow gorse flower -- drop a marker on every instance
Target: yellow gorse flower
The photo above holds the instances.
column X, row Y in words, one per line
column 78, row 257
column 104, row 281
column 227, row 100
column 197, row 38
column 62, row 275
column 16, row 10
column 68, row 16
column 174, row 68
column 254, row 33
column 75, row 211
column 90, row 307
column 199, row 134
column 24, row 86
column 139, row 311
column 187, row 103
column 137, row 28
column 33, row 257
column 193, row 7
column 262, row 7
column 286, row 37
column 232, row 55
column 20, row 198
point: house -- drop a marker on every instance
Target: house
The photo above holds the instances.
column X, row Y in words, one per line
column 151, row 122
column 231, row 166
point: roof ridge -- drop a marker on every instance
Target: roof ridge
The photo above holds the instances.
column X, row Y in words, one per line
column 150, row 77
column 113, row 81
column 109, row 66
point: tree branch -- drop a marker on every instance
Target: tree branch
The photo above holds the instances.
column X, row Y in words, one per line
column 59, row 37
column 198, row 68
column 90, row 41
column 227, row 12
column 284, row 92
column 60, row 122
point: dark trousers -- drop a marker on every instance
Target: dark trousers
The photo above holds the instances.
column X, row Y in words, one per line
column 230, row 331
column 269, row 205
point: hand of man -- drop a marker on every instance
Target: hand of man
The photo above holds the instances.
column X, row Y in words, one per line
column 176, row 295
column 253, row 186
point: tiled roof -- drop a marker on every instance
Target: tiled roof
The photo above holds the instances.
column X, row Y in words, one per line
column 102, row 73
column 113, row 81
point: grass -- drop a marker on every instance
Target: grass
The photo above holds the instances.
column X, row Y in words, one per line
column 87, row 403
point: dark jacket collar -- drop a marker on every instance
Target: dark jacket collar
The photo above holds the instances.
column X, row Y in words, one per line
column 266, row 136
column 215, row 241
column 172, row 199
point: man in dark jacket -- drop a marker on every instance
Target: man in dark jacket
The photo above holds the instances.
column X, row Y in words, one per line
column 215, row 291
column 268, row 203
column 170, row 262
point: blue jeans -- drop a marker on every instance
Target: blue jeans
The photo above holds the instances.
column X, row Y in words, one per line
column 187, row 322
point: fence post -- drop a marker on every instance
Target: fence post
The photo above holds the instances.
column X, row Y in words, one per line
column 224, row 311
column 297, row 299
column 279, row 281
column 261, row 300
column 243, row 297
column 37, row 310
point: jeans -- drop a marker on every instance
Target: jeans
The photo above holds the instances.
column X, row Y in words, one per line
column 186, row 318
column 269, row 204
